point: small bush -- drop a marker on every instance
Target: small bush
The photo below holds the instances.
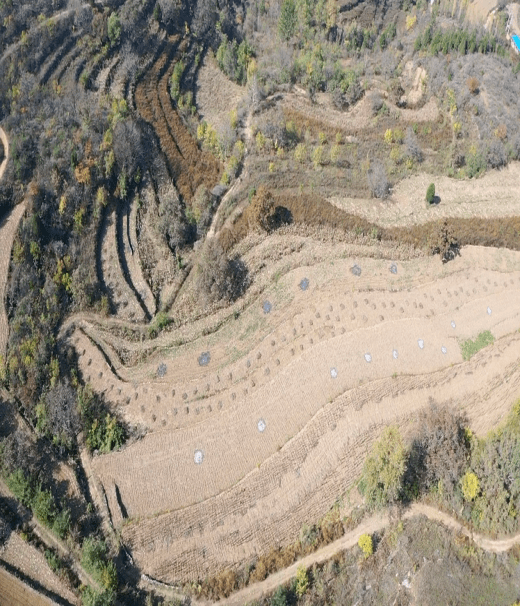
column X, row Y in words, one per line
column 472, row 84
column 496, row 154
column 475, row 163
column 114, row 29
column 383, row 470
column 279, row 597
column 217, row 277
column 302, row 581
column 366, row 545
column 300, row 153
column 317, row 156
column 470, row 485
column 91, row 597
column 444, row 243
column 413, row 149
column 430, row 193
column 53, row 560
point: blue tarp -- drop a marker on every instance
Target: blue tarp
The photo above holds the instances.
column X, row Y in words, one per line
column 516, row 40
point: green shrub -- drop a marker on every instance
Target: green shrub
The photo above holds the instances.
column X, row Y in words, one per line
column 279, row 597
column 288, row 20
column 302, row 581
column 61, row 523
column 430, row 193
column 114, row 29
column 94, row 559
column 383, row 471
column 93, row 555
column 53, row 560
column 470, row 485
column 91, row 597
column 102, row 430
column 475, row 164
column 43, row 507
column 161, row 321
column 21, row 485
column 109, row 577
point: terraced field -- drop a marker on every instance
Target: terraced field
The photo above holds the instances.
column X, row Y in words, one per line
column 14, row 592
column 290, row 400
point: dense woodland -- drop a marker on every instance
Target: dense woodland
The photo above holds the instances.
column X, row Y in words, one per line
column 78, row 152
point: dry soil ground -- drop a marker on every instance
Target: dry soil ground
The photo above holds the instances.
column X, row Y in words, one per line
column 478, row 10
column 214, row 108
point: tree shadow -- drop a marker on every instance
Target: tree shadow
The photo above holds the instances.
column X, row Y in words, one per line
column 122, row 507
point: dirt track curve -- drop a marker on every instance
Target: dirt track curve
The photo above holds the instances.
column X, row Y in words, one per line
column 370, row 525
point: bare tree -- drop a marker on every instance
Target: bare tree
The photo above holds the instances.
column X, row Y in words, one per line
column 440, row 452
column 413, row 149
column 377, row 180
column 128, row 147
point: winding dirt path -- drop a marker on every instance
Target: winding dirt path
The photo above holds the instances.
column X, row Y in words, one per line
column 370, row 525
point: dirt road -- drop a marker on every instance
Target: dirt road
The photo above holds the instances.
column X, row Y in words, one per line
column 373, row 524
column 8, row 230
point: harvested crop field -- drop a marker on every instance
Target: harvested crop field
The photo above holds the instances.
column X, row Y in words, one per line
column 273, row 424
column 32, row 564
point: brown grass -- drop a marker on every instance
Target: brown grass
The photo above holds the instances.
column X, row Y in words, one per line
column 189, row 166
column 316, row 211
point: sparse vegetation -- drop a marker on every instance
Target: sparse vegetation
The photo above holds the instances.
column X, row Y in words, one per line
column 469, row 347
